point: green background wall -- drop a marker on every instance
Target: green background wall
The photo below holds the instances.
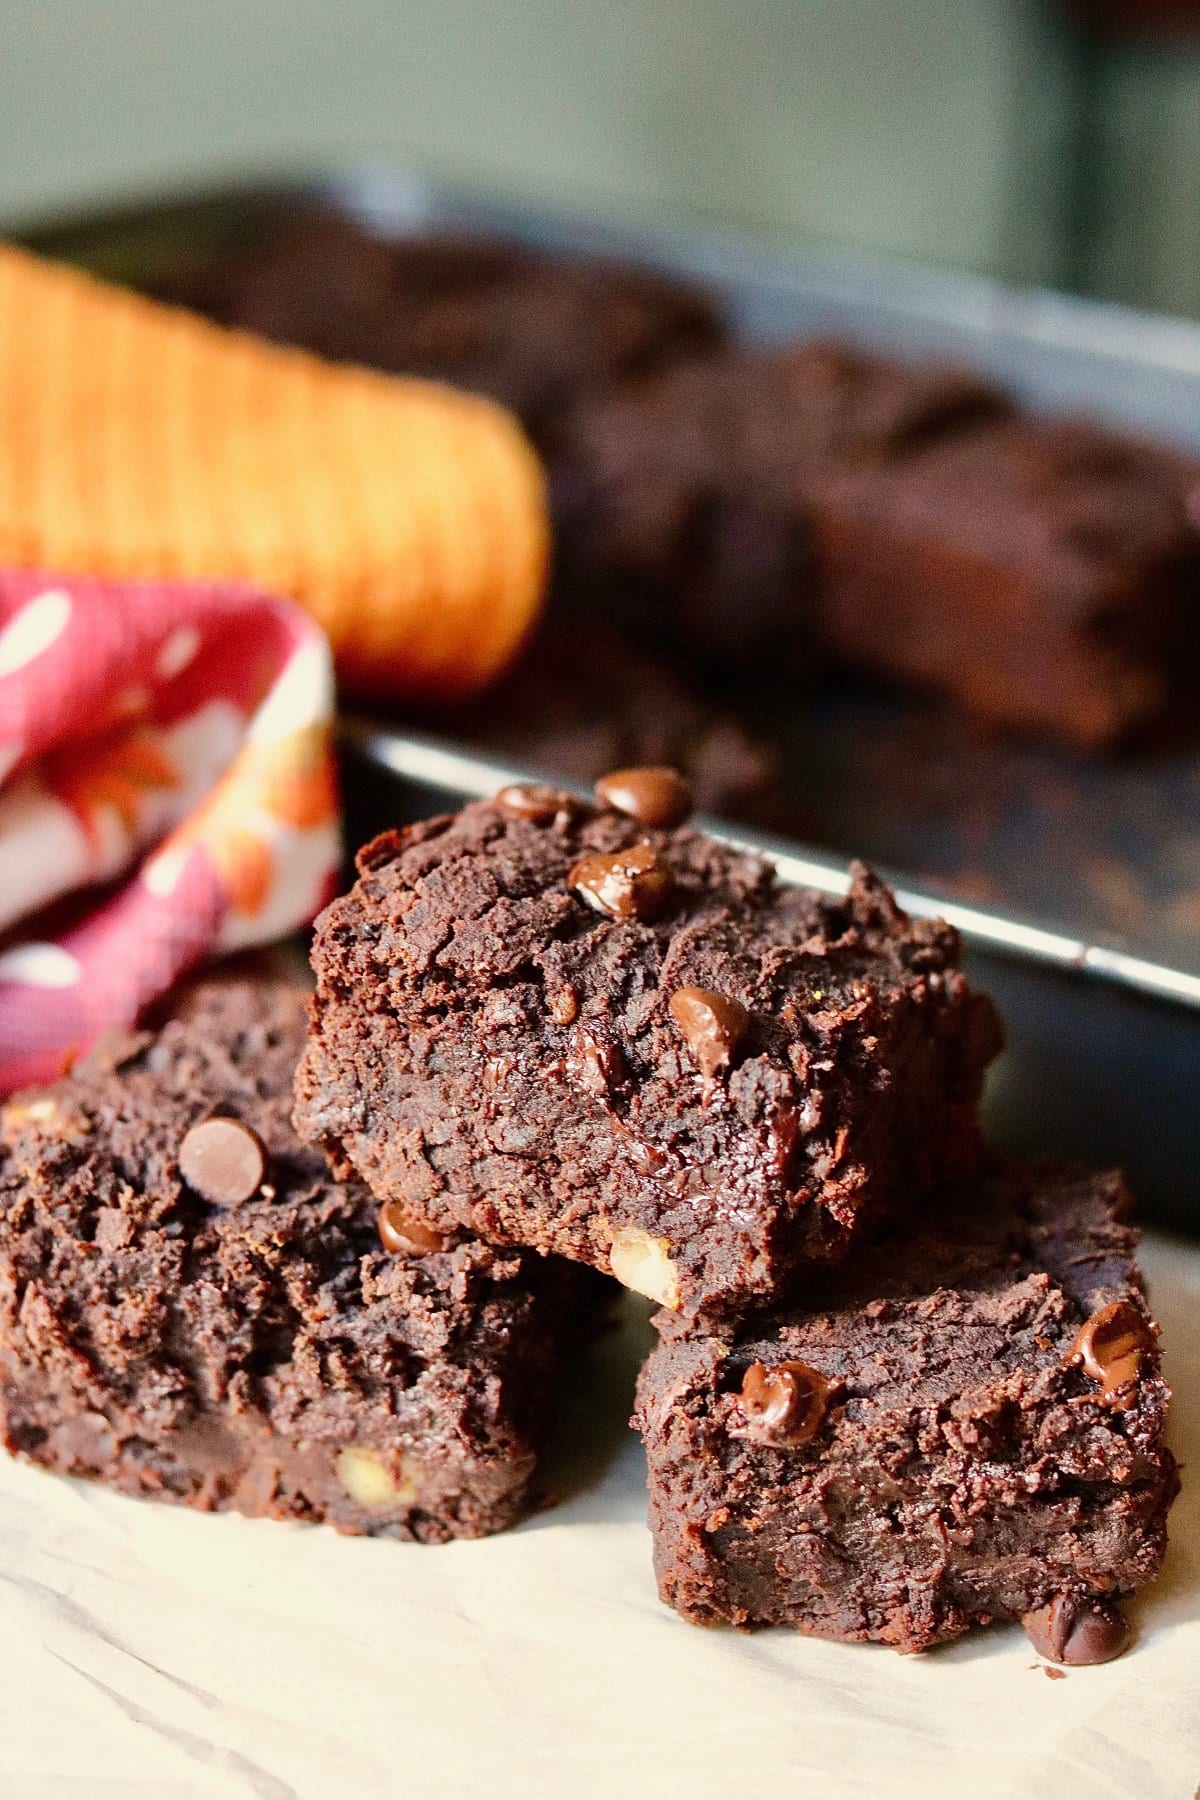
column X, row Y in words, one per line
column 939, row 128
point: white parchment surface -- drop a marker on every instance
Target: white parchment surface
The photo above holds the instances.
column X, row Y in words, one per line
column 154, row 1654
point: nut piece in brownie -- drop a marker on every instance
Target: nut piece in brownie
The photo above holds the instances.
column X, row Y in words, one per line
column 693, row 494
column 970, row 1428
column 533, row 329
column 192, row 1309
column 605, row 1035
column 1044, row 575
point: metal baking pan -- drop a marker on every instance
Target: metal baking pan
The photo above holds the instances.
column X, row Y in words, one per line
column 1076, row 881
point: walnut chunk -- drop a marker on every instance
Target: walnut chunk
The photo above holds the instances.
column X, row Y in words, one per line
column 369, row 1482
column 641, row 1262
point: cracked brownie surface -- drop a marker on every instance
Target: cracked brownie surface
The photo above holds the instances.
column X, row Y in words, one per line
column 256, row 1350
column 499, row 1042
column 965, row 1425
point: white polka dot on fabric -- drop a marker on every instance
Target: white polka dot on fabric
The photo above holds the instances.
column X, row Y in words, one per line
column 40, row 965
column 32, row 631
column 177, row 652
column 303, row 693
column 161, row 874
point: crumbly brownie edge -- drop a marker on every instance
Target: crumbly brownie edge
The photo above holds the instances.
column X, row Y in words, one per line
column 269, row 1358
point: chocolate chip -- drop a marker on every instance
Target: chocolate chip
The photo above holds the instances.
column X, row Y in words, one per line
column 626, row 884
column 713, row 1025
column 658, row 797
column 402, row 1235
column 1111, row 1346
column 1077, row 1632
column 223, row 1161
column 540, row 805
column 785, row 1404
column 597, row 1062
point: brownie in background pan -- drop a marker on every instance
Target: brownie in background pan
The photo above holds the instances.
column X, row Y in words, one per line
column 692, row 495
column 1046, row 576
column 531, row 328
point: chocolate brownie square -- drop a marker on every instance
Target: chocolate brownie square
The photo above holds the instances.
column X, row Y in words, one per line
column 692, row 495
column 193, row 1310
column 599, row 1033
column 1044, row 575
column 532, row 328
column 966, row 1426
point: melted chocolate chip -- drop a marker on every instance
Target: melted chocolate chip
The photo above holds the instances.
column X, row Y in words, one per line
column 223, row 1161
column 659, row 797
column 626, row 884
column 713, row 1026
column 1077, row 1632
column 540, row 805
column 404, row 1236
column 1111, row 1346
column 785, row 1404
column 597, row 1062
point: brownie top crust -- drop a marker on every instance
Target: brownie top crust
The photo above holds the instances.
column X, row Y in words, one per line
column 507, row 1030
column 1018, row 1247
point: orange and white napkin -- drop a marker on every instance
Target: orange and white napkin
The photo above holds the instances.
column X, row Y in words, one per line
column 167, row 792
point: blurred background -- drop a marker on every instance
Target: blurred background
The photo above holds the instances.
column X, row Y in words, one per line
column 1052, row 143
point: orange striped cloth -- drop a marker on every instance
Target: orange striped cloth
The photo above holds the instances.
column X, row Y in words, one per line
column 138, row 441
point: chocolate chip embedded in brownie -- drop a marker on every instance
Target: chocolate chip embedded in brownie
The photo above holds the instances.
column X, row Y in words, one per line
column 693, row 494
column 192, row 1309
column 968, row 1427
column 1043, row 575
column 592, row 1034
column 532, row 328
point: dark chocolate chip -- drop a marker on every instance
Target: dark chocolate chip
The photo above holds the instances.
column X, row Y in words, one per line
column 626, row 884
column 713, row 1026
column 1111, row 1346
column 785, row 1404
column 1078, row 1632
column 659, row 797
column 402, row 1235
column 540, row 805
column 597, row 1062
column 223, row 1161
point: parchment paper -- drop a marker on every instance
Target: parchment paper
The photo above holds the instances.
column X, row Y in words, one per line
column 155, row 1654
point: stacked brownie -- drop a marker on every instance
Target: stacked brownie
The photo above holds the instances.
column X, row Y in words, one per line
column 900, row 1389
